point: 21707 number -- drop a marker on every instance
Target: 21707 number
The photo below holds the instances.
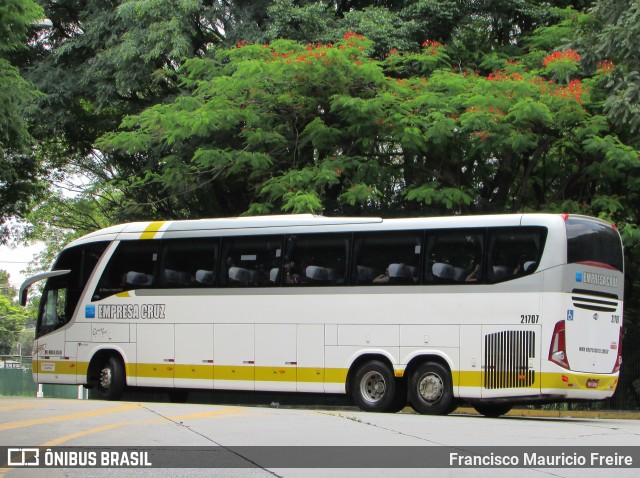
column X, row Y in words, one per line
column 529, row 319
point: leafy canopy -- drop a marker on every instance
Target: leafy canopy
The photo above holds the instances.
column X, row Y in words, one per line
column 326, row 127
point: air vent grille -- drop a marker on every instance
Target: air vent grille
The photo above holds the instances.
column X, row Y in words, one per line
column 508, row 356
column 591, row 303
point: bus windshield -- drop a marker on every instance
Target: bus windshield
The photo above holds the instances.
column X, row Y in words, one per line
column 594, row 243
column 62, row 293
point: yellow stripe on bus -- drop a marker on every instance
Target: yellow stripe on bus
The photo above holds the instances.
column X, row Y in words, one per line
column 249, row 372
column 152, row 229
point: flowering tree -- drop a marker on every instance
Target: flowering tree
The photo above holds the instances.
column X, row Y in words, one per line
column 325, row 128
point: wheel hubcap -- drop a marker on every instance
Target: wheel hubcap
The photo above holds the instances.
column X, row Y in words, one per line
column 372, row 387
column 431, row 387
column 105, row 378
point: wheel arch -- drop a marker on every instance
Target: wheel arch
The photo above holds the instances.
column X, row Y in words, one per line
column 421, row 358
column 366, row 357
column 98, row 357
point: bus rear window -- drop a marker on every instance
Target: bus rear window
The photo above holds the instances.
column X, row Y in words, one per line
column 592, row 242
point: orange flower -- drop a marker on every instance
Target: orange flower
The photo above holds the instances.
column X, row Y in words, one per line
column 606, row 66
column 571, row 55
column 574, row 90
column 350, row 35
column 432, row 45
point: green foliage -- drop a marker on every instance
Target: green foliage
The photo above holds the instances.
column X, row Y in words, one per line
column 617, row 39
column 12, row 321
column 6, row 289
column 16, row 17
column 426, row 107
column 326, row 128
column 19, row 173
column 450, row 198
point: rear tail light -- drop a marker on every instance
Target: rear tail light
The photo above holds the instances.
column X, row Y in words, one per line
column 616, row 367
column 558, row 349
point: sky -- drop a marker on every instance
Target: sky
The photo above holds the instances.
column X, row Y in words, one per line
column 14, row 261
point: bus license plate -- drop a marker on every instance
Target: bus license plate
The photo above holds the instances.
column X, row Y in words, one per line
column 592, row 383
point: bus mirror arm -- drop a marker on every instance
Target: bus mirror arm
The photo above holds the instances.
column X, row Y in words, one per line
column 24, row 288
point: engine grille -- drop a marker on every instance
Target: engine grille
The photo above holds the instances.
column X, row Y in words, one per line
column 506, row 356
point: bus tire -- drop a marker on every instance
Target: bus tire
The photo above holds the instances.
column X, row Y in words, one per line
column 111, row 380
column 373, row 387
column 431, row 390
column 492, row 410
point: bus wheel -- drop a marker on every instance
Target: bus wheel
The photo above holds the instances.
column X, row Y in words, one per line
column 373, row 387
column 492, row 410
column 111, row 381
column 430, row 389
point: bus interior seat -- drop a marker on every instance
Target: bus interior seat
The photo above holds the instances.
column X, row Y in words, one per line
column 443, row 271
column 172, row 277
column 320, row 274
column 139, row 278
column 274, row 275
column 449, row 273
column 401, row 273
column 243, row 276
column 204, row 277
column 529, row 266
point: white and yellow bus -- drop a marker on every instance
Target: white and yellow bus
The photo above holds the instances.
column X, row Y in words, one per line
column 492, row 310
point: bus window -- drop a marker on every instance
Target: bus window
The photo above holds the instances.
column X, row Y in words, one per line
column 386, row 258
column 513, row 252
column 454, row 257
column 62, row 293
column 132, row 266
column 189, row 263
column 252, row 261
column 316, row 259
column 594, row 242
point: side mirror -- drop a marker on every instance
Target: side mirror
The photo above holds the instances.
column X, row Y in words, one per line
column 24, row 295
column 24, row 288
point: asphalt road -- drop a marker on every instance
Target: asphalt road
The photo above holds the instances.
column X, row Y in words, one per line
column 53, row 423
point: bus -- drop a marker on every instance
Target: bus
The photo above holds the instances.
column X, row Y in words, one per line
column 489, row 310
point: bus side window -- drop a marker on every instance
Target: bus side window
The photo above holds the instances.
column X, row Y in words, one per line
column 454, row 257
column 189, row 263
column 316, row 259
column 513, row 252
column 54, row 313
column 251, row 261
column 132, row 266
column 387, row 258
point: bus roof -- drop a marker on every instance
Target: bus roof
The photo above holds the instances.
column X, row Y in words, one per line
column 301, row 223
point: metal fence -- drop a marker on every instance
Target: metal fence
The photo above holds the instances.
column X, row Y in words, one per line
column 16, row 380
